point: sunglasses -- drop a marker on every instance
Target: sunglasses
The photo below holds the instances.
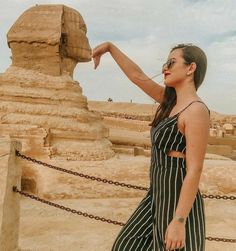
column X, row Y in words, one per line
column 168, row 64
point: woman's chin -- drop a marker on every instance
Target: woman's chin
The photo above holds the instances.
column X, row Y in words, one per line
column 171, row 82
column 167, row 84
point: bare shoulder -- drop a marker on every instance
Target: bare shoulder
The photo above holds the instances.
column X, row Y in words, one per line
column 197, row 118
column 197, row 111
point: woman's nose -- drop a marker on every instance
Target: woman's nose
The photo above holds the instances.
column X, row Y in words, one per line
column 164, row 67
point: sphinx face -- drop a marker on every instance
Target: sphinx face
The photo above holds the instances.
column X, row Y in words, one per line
column 74, row 42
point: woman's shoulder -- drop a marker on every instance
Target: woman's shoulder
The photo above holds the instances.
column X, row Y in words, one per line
column 200, row 106
column 197, row 113
column 196, row 107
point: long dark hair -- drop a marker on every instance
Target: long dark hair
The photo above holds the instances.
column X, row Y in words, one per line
column 191, row 53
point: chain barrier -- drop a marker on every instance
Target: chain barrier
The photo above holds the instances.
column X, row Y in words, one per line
column 91, row 216
column 224, row 197
column 220, row 239
column 111, row 182
column 116, row 183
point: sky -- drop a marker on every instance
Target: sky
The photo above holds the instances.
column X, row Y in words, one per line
column 146, row 31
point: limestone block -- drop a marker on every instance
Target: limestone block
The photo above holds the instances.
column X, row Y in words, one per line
column 10, row 175
column 138, row 151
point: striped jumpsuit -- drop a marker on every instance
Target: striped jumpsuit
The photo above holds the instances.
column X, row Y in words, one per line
column 145, row 229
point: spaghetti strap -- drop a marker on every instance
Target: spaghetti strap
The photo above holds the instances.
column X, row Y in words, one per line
column 193, row 102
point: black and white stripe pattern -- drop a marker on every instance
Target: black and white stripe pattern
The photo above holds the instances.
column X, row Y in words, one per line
column 145, row 229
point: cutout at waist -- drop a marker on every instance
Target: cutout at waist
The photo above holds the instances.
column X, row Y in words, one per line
column 174, row 153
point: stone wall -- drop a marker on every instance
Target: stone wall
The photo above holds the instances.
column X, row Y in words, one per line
column 230, row 141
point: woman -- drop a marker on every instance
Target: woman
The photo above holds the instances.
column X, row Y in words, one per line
column 171, row 215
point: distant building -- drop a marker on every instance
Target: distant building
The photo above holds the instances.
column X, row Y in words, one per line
column 229, row 128
column 217, row 132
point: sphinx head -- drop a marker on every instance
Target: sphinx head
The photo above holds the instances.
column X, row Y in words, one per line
column 50, row 39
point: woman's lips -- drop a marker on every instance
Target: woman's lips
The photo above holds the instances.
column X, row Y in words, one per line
column 166, row 74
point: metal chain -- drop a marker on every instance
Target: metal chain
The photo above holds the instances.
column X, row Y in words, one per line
column 111, row 182
column 209, row 238
column 91, row 216
column 116, row 183
column 224, row 197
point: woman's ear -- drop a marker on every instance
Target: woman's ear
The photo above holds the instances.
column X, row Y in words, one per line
column 191, row 69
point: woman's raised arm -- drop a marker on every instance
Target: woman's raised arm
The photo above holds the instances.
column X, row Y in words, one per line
column 131, row 70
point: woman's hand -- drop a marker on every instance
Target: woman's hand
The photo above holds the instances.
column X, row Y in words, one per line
column 175, row 235
column 98, row 51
